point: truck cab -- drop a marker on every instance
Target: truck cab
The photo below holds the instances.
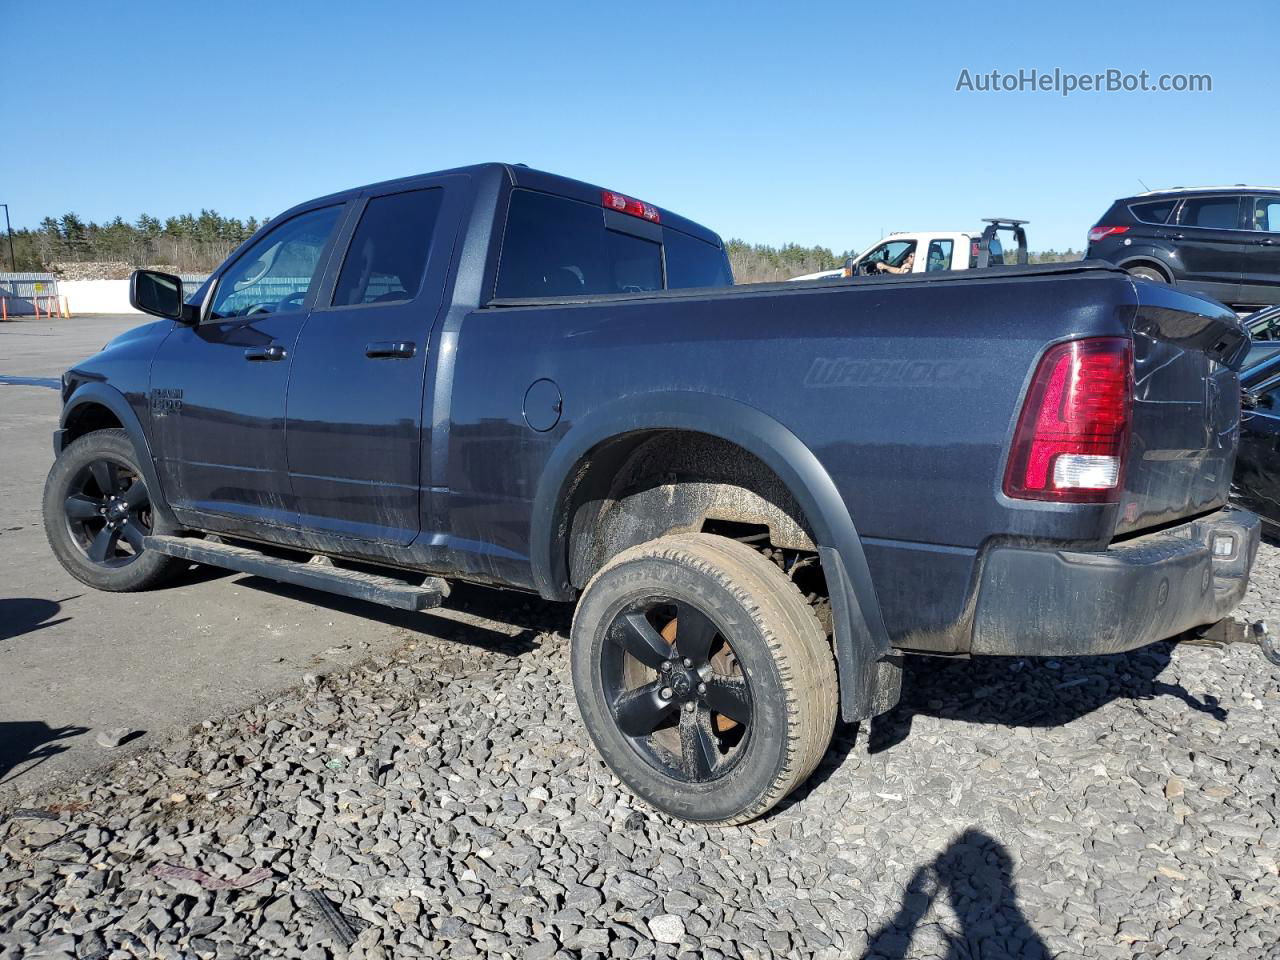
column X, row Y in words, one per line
column 927, row 252
column 933, row 252
column 316, row 337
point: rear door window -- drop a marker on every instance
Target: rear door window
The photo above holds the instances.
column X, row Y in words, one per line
column 1153, row 211
column 939, row 255
column 1266, row 214
column 388, row 253
column 557, row 247
column 1215, row 213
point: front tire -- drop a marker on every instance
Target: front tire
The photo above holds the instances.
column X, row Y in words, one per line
column 97, row 510
column 703, row 676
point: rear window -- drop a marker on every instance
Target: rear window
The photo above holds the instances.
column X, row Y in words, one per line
column 1153, row 211
column 997, row 252
column 1220, row 213
column 556, row 247
column 694, row 263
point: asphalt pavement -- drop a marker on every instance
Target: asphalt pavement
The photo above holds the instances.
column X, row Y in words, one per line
column 76, row 663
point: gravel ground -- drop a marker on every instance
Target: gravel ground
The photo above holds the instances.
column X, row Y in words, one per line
column 444, row 801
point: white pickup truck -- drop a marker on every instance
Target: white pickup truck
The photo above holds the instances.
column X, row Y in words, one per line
column 927, row 252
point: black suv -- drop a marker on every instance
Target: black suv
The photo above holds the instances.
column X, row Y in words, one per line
column 1221, row 241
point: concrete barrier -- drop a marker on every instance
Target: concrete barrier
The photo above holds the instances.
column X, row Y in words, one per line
column 96, row 296
column 109, row 296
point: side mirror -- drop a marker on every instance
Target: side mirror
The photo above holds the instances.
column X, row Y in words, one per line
column 159, row 294
column 848, row 266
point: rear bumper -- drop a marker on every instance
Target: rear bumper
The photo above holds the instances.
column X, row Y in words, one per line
column 1036, row 602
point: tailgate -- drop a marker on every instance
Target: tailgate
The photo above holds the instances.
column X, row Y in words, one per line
column 1186, row 411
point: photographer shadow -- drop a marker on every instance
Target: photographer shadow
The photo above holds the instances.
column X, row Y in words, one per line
column 975, row 872
column 25, row 744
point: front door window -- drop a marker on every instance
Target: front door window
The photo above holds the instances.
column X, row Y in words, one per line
column 276, row 273
column 892, row 256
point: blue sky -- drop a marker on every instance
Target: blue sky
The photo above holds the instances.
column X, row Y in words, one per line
column 769, row 122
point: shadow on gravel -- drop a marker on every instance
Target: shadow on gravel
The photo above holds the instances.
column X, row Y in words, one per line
column 22, row 615
column 24, row 741
column 1028, row 692
column 532, row 616
column 975, row 873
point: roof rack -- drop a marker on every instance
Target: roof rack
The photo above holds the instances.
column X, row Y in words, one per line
column 1230, row 186
column 989, row 233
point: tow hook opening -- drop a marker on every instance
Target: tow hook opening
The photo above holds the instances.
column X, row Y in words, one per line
column 1231, row 630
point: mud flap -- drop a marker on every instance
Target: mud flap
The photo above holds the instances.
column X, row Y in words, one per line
column 870, row 673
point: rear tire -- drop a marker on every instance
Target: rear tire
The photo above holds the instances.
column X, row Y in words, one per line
column 1147, row 273
column 703, row 676
column 97, row 510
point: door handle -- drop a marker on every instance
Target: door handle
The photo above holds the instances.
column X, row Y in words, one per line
column 1265, row 243
column 390, row 349
column 272, row 352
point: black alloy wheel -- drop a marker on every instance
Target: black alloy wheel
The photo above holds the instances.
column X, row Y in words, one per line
column 108, row 512
column 676, row 688
column 704, row 677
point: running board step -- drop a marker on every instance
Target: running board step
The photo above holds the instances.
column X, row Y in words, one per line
column 387, row 591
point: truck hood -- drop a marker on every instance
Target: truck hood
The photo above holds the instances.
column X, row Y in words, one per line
column 124, row 361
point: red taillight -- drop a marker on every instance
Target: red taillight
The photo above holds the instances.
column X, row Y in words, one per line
column 1073, row 431
column 1097, row 233
column 616, row 201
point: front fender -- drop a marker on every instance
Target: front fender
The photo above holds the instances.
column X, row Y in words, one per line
column 861, row 639
column 97, row 393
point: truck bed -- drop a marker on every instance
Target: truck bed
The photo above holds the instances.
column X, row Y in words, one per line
column 800, row 287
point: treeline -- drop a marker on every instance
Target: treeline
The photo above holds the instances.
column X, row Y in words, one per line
column 1053, row 256
column 191, row 243
column 761, row 263
column 197, row 243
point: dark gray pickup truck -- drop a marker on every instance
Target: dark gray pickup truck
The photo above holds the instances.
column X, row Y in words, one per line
column 759, row 496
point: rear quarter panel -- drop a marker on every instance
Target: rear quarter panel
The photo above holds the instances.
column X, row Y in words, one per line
column 905, row 391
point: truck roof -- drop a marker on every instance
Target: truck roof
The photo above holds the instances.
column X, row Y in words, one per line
column 520, row 175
